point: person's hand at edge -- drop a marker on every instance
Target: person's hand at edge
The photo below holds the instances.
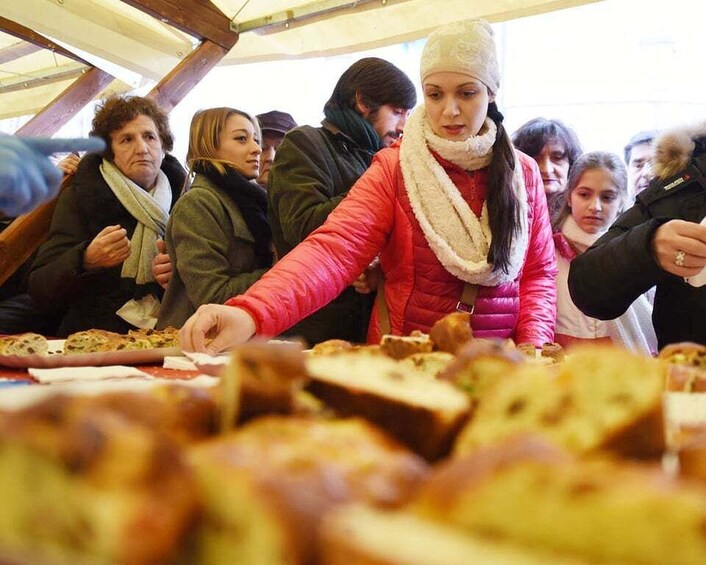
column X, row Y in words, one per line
column 27, row 176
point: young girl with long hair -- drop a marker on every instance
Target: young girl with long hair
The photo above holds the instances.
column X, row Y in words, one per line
column 596, row 192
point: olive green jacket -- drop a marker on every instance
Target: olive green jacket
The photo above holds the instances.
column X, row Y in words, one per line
column 211, row 249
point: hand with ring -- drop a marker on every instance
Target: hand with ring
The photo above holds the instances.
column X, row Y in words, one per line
column 679, row 247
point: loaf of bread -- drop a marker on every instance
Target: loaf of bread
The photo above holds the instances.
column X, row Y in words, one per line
column 604, row 510
column 158, row 339
column 481, row 364
column 266, row 487
column 451, row 332
column 96, row 341
column 262, row 378
column 331, row 346
column 80, row 484
column 90, row 341
column 424, row 413
column 361, row 535
column 185, row 414
column 24, row 344
column 430, row 365
column 602, row 397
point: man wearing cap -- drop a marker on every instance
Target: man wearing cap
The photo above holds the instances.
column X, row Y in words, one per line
column 315, row 168
column 274, row 125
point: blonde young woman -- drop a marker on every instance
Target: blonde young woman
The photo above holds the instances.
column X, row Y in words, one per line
column 456, row 215
column 218, row 237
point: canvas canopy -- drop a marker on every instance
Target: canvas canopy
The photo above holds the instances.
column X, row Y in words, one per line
column 48, row 46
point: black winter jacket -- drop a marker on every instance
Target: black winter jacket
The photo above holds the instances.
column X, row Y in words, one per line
column 57, row 280
column 620, row 266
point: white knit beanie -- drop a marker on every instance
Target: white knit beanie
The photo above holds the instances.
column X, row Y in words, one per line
column 463, row 47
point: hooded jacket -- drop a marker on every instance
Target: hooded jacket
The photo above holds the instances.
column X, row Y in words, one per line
column 58, row 281
column 620, row 266
column 376, row 218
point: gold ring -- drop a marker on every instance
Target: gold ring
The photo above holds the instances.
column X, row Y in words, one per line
column 679, row 259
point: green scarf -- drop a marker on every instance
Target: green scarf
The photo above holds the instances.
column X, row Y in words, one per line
column 354, row 126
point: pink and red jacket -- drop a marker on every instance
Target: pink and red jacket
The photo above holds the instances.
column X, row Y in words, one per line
column 375, row 219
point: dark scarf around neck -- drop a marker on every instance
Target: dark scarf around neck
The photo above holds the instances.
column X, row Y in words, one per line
column 251, row 200
column 354, row 126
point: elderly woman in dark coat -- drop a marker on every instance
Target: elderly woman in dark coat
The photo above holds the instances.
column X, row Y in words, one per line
column 98, row 257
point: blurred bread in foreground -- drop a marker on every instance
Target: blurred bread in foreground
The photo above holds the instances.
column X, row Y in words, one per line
column 83, row 484
column 266, row 487
column 601, row 397
column 362, row 535
column 605, row 510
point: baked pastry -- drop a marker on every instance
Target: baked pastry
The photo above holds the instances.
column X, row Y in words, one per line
column 81, row 484
column 262, row 378
column 424, row 413
column 265, row 487
column 90, row 341
column 684, row 353
column 398, row 346
column 553, row 351
column 480, row 364
column 528, row 349
column 602, row 509
column 24, row 344
column 427, row 364
column 601, row 397
column 331, row 346
column 158, row 339
column 362, row 535
column 183, row 413
column 451, row 332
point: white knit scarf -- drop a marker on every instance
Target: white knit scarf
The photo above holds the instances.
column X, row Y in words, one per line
column 456, row 236
column 579, row 239
column 150, row 209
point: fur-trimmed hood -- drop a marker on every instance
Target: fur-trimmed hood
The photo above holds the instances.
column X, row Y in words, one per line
column 674, row 149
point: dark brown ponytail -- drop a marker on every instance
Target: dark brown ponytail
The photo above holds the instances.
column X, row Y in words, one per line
column 503, row 207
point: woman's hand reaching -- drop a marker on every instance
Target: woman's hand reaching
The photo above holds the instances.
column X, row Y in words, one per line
column 224, row 326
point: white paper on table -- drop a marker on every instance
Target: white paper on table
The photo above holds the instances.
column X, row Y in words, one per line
column 64, row 374
column 179, row 363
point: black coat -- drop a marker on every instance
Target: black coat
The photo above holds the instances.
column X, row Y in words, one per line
column 620, row 266
column 57, row 280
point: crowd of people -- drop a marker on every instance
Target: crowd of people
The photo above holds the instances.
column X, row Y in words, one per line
column 351, row 230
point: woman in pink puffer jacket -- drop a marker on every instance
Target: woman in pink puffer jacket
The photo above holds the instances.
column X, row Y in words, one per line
column 457, row 217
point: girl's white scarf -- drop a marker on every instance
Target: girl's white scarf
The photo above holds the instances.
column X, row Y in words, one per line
column 456, row 236
column 150, row 209
column 578, row 239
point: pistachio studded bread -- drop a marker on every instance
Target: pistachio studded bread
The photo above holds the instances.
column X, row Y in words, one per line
column 83, row 484
column 602, row 509
column 422, row 412
column 601, row 397
column 23, row 344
